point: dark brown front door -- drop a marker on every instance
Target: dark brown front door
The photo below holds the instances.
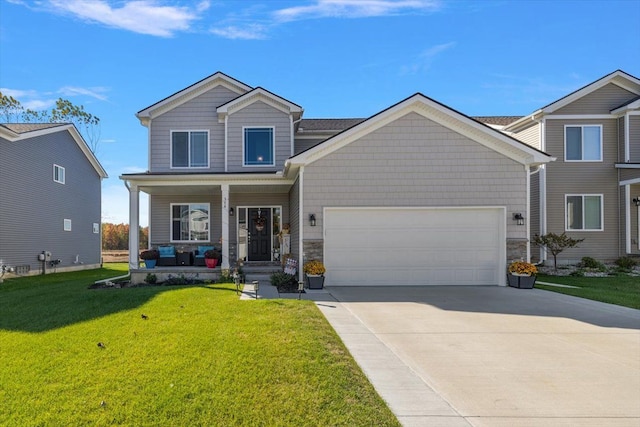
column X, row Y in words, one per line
column 259, row 239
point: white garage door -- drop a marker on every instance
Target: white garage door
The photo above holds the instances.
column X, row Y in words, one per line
column 414, row 246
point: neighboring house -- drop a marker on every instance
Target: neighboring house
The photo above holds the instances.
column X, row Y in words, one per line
column 592, row 190
column 416, row 194
column 50, row 189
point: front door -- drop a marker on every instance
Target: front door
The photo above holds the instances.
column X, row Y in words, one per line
column 259, row 225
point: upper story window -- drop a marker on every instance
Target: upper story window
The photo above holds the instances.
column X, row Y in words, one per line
column 190, row 222
column 258, row 146
column 583, row 143
column 58, row 174
column 189, row 149
column 584, row 212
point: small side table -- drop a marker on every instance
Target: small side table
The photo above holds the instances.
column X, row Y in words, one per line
column 183, row 258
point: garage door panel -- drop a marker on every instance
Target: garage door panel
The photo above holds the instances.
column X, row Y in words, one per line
column 383, row 246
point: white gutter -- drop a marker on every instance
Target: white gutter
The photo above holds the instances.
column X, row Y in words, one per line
column 300, row 221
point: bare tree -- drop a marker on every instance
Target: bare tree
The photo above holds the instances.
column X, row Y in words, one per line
column 12, row 111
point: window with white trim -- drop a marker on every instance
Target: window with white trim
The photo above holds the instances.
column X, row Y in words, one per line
column 583, row 143
column 67, row 225
column 584, row 212
column 190, row 222
column 189, row 149
column 258, row 146
column 58, row 174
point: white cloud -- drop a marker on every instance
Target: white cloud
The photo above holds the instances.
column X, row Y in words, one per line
column 355, row 9
column 139, row 16
column 249, row 32
column 426, row 58
column 94, row 92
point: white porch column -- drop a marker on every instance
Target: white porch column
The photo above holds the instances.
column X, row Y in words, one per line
column 134, row 221
column 225, row 226
column 627, row 220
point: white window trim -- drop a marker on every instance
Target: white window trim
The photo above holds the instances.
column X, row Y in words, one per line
column 271, row 207
column 66, row 225
column 64, row 174
column 188, row 131
column 273, row 148
column 582, row 126
column 566, row 219
column 171, row 205
column 96, row 228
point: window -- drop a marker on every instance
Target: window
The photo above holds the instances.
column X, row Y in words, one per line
column 190, row 149
column 58, row 174
column 67, row 225
column 583, row 143
column 258, row 147
column 190, row 222
column 584, row 212
column 96, row 228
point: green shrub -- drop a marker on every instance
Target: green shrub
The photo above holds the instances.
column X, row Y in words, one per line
column 588, row 262
column 577, row 273
column 151, row 279
column 280, row 278
column 626, row 262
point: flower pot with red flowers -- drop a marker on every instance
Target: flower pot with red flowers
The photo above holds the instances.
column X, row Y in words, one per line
column 211, row 258
column 150, row 257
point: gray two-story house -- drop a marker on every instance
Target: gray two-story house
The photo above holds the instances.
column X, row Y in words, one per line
column 416, row 194
column 592, row 190
column 50, row 199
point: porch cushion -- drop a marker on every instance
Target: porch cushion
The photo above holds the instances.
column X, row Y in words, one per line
column 167, row 251
column 202, row 249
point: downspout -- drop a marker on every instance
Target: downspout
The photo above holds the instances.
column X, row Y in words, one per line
column 300, row 222
column 528, row 172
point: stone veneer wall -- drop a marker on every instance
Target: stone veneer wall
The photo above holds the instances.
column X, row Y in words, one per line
column 516, row 249
column 312, row 249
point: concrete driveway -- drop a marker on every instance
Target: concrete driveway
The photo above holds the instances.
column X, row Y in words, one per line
column 492, row 356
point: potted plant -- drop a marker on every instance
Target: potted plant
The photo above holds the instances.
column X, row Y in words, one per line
column 314, row 274
column 522, row 275
column 211, row 258
column 150, row 257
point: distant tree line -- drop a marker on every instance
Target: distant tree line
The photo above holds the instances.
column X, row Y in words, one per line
column 116, row 236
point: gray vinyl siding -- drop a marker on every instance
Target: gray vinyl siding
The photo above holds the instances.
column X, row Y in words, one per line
column 627, row 174
column 258, row 114
column 600, row 101
column 584, row 178
column 33, row 206
column 634, row 216
column 621, row 149
column 634, row 139
column 196, row 114
column 530, row 136
column 414, row 161
column 294, row 218
column 304, row 144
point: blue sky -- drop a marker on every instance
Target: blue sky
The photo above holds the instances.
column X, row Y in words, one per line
column 335, row 58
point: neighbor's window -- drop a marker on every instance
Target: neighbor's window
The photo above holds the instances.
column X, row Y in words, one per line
column 583, row 143
column 190, row 222
column 67, row 225
column 58, row 174
column 259, row 147
column 190, row 149
column 584, row 212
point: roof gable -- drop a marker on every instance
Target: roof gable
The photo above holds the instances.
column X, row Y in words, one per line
column 191, row 92
column 259, row 94
column 16, row 132
column 436, row 112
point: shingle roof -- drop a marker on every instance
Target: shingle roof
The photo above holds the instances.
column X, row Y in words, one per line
column 327, row 124
column 29, row 127
column 497, row 120
column 627, row 103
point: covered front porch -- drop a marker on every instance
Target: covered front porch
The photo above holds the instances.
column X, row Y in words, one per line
column 243, row 216
column 630, row 205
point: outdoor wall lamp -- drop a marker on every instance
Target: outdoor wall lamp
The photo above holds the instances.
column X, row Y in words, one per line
column 518, row 218
column 636, row 201
column 231, row 211
column 312, row 220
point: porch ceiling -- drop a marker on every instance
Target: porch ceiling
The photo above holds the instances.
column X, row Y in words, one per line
column 200, row 190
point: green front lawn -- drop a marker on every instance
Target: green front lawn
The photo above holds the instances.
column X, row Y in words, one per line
column 198, row 356
column 620, row 290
